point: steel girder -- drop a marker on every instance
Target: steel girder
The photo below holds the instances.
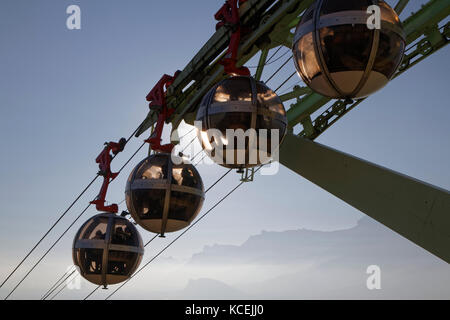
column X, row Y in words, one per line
column 414, row 209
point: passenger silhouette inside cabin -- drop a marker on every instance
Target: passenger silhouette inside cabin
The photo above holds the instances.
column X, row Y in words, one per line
column 123, row 236
column 119, row 262
column 152, row 203
column 188, row 178
column 93, row 258
column 99, row 235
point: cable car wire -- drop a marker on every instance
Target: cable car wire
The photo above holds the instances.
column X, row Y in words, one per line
column 49, row 230
column 215, row 183
column 226, row 173
column 68, row 228
column 203, row 158
column 148, row 242
column 66, row 283
column 47, row 252
column 269, row 62
column 131, row 158
column 92, row 292
column 46, row 295
column 278, row 70
column 52, row 289
column 218, row 180
column 273, row 55
column 290, row 87
column 56, row 284
column 193, row 224
column 56, row 287
column 284, row 82
column 58, row 220
column 192, row 159
column 180, row 235
column 186, row 134
column 95, row 289
column 184, row 149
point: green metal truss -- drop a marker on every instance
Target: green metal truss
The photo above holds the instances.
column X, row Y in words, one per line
column 416, row 210
column 271, row 22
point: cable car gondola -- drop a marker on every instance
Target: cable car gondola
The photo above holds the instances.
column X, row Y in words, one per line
column 240, row 103
column 107, row 249
column 163, row 196
column 337, row 53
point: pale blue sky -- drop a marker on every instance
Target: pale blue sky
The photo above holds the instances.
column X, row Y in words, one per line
column 63, row 93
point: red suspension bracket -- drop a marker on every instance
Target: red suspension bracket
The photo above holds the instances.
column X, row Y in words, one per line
column 104, row 164
column 157, row 99
column 228, row 15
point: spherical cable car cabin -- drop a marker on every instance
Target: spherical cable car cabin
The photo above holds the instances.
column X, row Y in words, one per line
column 243, row 103
column 163, row 196
column 107, row 249
column 340, row 53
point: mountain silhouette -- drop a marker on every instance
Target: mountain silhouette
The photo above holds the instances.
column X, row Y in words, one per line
column 368, row 240
column 309, row 264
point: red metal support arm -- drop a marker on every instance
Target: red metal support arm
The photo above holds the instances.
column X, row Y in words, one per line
column 157, row 99
column 104, row 164
column 228, row 15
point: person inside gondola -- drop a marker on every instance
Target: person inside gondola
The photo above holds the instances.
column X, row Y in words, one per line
column 99, row 235
column 188, row 178
column 93, row 258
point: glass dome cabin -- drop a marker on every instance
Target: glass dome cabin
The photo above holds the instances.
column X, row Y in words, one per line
column 162, row 196
column 339, row 56
column 240, row 103
column 107, row 249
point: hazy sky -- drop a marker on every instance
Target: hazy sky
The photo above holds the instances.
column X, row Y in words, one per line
column 64, row 93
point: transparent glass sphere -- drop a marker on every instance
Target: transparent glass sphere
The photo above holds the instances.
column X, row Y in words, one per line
column 338, row 55
column 107, row 249
column 163, row 196
column 241, row 103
